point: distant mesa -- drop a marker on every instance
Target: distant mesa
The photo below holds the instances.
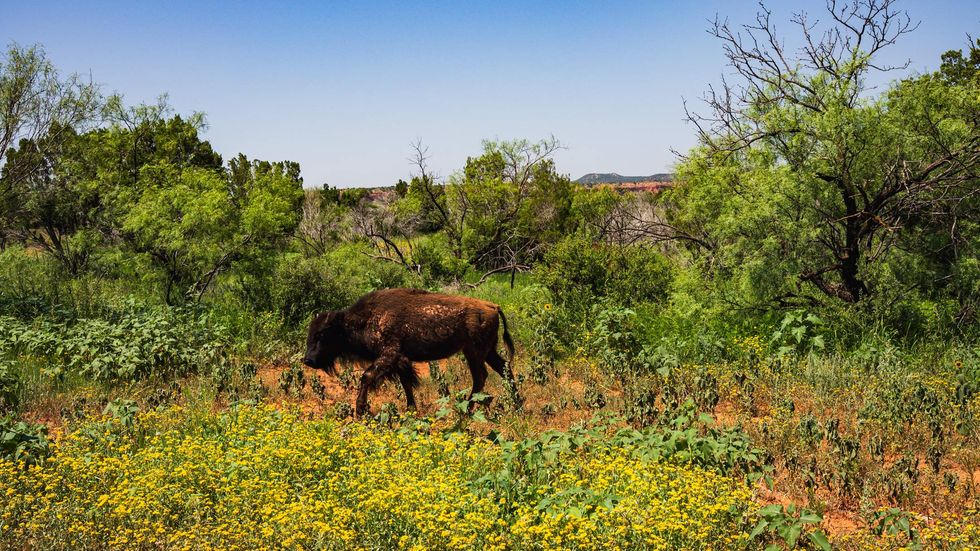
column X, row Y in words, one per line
column 593, row 178
column 654, row 182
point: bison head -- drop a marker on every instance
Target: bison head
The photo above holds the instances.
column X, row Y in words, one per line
column 325, row 341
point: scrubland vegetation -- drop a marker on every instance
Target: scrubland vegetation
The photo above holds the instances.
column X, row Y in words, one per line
column 780, row 351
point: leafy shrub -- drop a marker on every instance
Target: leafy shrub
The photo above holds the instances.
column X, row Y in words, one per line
column 133, row 344
column 799, row 333
column 594, row 398
column 532, row 313
column 435, row 261
column 299, row 287
column 124, row 411
column 638, row 274
column 543, row 345
column 786, row 524
column 317, row 387
column 32, row 284
column 579, row 271
column 8, row 386
column 292, row 380
column 302, row 287
column 615, row 342
column 27, row 283
column 575, row 269
column 21, row 441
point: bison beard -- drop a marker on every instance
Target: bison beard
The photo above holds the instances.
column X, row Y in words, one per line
column 393, row 328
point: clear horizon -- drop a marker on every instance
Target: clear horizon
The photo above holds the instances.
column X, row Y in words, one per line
column 344, row 89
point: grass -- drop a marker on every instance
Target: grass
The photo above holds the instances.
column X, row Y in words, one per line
column 879, row 440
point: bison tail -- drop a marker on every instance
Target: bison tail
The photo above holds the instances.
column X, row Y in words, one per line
column 509, row 342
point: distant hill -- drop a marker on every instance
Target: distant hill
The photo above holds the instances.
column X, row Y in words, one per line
column 594, row 178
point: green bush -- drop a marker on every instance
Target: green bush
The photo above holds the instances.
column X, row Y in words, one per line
column 8, row 386
column 575, row 268
column 545, row 338
column 33, row 284
column 294, row 287
column 578, row 271
column 28, row 282
column 435, row 261
column 134, row 343
column 615, row 342
column 638, row 274
column 301, row 287
column 23, row 441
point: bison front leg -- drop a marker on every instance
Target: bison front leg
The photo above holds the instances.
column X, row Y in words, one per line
column 369, row 380
column 388, row 366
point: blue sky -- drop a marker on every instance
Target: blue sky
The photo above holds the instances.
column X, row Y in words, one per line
column 345, row 88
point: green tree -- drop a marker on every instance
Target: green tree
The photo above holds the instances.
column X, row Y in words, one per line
column 401, row 188
column 140, row 136
column 595, row 209
column 805, row 180
column 347, row 198
column 74, row 190
column 498, row 214
column 949, row 245
column 53, row 209
column 423, row 206
column 508, row 205
column 959, row 68
column 195, row 223
column 41, row 111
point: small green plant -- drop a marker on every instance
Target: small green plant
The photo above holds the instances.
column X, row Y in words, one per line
column 640, row 405
column 594, row 398
column 222, row 374
column 901, row 479
column 247, row 370
column 8, row 387
column 122, row 410
column 23, row 441
column 440, row 377
column 787, row 527
column 292, row 380
column 543, row 323
column 318, row 388
column 614, row 341
column 799, row 333
column 895, row 522
column 347, row 377
column 706, row 394
column 162, row 396
column 343, row 410
column 462, row 410
column 846, row 474
column 388, row 415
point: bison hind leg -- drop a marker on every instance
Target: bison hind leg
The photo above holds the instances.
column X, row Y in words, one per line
column 499, row 365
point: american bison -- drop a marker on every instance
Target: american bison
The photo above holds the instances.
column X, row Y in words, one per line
column 392, row 328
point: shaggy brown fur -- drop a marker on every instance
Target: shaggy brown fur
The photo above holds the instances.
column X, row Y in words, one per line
column 392, row 328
